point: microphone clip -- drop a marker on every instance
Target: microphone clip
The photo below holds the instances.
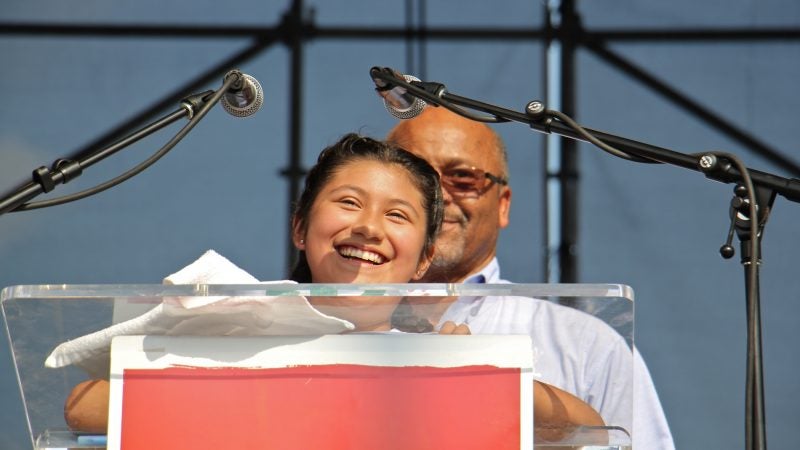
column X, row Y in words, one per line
column 238, row 84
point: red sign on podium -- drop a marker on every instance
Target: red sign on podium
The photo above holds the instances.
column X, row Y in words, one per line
column 387, row 391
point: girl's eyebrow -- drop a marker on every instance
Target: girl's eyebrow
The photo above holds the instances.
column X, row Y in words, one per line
column 349, row 187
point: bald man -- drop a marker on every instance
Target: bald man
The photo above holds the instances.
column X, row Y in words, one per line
column 573, row 351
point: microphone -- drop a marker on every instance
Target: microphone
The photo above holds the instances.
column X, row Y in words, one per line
column 397, row 100
column 244, row 97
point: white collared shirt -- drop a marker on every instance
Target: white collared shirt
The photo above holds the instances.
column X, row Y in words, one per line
column 576, row 352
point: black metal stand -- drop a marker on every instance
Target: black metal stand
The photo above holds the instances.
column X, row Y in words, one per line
column 755, row 417
column 762, row 190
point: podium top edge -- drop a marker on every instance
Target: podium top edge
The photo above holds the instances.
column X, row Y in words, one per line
column 288, row 288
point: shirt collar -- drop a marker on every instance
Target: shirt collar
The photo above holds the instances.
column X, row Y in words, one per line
column 466, row 307
column 490, row 273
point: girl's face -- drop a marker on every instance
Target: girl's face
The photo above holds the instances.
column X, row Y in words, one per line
column 367, row 225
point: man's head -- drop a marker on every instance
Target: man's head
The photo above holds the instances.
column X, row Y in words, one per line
column 461, row 150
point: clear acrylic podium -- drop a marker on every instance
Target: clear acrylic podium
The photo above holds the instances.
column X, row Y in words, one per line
column 38, row 318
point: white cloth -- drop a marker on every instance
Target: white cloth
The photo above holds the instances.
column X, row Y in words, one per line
column 203, row 316
column 575, row 352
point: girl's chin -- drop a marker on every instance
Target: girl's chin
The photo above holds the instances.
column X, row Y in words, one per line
column 366, row 313
column 365, row 278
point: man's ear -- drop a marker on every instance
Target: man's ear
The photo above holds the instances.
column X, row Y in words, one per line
column 298, row 234
column 423, row 264
column 504, row 206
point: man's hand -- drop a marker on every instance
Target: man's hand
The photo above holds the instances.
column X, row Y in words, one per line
column 451, row 328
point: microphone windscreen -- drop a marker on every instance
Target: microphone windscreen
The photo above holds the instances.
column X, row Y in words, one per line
column 401, row 104
column 246, row 101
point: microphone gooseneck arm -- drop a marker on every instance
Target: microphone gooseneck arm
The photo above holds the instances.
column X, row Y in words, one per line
column 195, row 107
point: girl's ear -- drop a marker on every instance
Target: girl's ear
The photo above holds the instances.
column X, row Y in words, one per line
column 424, row 263
column 298, row 234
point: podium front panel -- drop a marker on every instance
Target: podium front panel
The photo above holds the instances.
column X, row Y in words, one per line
column 574, row 329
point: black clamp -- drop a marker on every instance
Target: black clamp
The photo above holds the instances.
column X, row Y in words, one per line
column 66, row 168
column 739, row 210
column 44, row 178
column 538, row 113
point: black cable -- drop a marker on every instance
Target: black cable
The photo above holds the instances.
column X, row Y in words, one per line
column 597, row 142
column 470, row 115
column 541, row 118
column 139, row 168
column 754, row 432
column 436, row 94
column 751, row 198
column 755, row 422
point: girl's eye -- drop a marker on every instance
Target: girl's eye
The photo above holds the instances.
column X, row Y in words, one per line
column 349, row 202
column 399, row 215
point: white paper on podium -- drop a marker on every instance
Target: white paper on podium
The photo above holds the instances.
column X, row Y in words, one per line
column 202, row 316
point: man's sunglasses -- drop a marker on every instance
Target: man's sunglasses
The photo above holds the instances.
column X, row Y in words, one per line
column 468, row 181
